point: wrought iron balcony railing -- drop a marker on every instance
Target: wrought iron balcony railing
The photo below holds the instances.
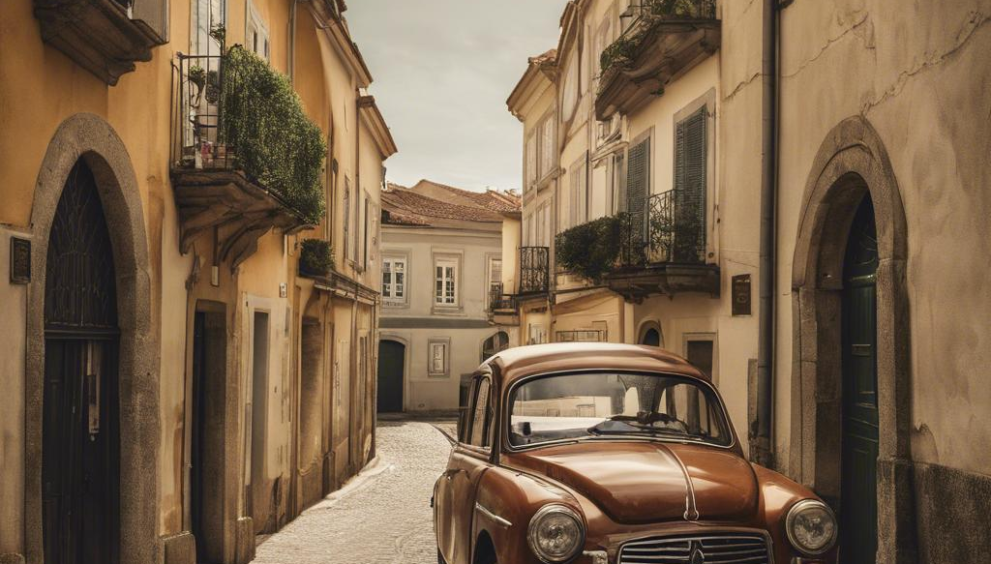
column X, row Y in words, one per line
column 498, row 301
column 201, row 131
column 581, row 336
column 534, row 270
column 671, row 229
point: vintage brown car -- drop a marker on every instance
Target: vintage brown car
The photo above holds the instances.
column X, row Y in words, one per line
column 613, row 454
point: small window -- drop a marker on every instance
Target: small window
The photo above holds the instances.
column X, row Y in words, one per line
column 347, row 217
column 394, row 280
column 536, row 335
column 480, row 417
column 257, row 33
column 495, row 276
column 531, row 160
column 446, row 283
column 547, row 152
column 437, row 362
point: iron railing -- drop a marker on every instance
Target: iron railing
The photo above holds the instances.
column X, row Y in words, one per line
column 200, row 131
column 580, row 336
column 498, row 301
column 534, row 269
column 671, row 230
column 641, row 10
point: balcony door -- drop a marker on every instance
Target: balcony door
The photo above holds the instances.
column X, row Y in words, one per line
column 80, row 434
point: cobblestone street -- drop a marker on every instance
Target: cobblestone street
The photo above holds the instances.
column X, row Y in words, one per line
column 381, row 517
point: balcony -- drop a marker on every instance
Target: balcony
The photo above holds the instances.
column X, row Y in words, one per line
column 503, row 308
column 666, row 39
column 663, row 249
column 534, row 270
column 102, row 36
column 245, row 158
column 580, row 336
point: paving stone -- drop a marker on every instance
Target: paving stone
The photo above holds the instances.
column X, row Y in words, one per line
column 384, row 518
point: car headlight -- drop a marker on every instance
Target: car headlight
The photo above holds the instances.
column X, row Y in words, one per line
column 556, row 533
column 811, row 527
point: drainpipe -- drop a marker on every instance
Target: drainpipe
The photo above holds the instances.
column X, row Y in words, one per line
column 761, row 451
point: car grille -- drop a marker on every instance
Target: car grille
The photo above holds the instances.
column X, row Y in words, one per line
column 709, row 548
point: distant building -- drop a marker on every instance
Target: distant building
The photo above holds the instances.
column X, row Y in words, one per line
column 441, row 262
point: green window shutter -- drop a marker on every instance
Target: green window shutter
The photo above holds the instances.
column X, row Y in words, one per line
column 637, row 188
column 691, row 161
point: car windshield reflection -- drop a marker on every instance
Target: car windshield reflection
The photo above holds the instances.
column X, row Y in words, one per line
column 610, row 405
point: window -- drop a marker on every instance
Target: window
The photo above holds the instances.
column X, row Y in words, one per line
column 347, row 217
column 207, row 15
column 446, row 287
column 536, row 335
column 700, row 350
column 394, row 280
column 256, row 35
column 364, row 238
column 480, row 417
column 437, row 359
column 495, row 276
column 547, row 146
column 579, row 193
column 569, row 98
column 531, row 159
column 690, row 164
column 638, row 183
column 356, row 240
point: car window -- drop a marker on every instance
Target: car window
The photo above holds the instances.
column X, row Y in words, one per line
column 616, row 406
column 480, row 416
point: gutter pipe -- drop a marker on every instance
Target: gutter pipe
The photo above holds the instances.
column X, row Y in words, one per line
column 761, row 443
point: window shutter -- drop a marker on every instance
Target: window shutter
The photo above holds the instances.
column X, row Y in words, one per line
column 690, row 185
column 637, row 187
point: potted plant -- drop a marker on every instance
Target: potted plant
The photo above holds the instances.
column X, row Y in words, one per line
column 197, row 76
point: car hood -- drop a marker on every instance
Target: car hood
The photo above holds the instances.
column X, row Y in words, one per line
column 645, row 482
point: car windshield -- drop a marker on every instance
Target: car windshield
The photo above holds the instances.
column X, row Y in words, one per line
column 606, row 405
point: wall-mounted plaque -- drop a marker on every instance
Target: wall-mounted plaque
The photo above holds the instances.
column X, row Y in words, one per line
column 741, row 294
column 20, row 261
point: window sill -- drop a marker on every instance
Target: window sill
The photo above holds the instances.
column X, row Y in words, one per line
column 446, row 310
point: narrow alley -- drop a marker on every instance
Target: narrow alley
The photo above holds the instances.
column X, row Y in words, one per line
column 387, row 507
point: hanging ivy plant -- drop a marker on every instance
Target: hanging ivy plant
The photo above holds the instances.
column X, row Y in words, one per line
column 275, row 142
column 591, row 249
column 315, row 258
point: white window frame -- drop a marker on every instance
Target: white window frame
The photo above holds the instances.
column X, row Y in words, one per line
column 444, row 346
column 445, row 262
column 490, row 267
column 388, row 268
column 255, row 24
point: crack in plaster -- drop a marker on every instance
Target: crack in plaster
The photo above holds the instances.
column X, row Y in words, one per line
column 976, row 21
column 741, row 86
column 867, row 43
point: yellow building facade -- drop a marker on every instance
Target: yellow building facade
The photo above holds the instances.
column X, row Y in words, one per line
column 160, row 279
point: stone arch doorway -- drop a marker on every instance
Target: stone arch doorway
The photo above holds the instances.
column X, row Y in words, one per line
column 80, row 452
column 86, row 145
column 495, row 344
column 650, row 334
column 852, row 188
column 391, row 376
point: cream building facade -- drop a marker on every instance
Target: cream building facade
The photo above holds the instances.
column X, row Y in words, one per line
column 152, row 270
column 853, row 366
column 442, row 250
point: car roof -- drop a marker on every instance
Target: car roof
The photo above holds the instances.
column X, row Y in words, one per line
column 519, row 362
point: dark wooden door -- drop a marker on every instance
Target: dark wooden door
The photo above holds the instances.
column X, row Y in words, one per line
column 80, row 430
column 392, row 355
column 858, row 509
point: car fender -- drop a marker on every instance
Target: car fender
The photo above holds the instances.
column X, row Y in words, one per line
column 777, row 495
column 506, row 500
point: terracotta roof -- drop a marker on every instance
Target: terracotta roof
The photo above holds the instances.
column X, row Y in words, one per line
column 429, row 203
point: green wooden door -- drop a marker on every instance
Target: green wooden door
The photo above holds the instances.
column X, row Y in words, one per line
column 858, row 510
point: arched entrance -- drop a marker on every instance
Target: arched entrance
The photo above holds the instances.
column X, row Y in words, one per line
column 650, row 334
column 858, row 481
column 392, row 362
column 127, row 346
column 495, row 344
column 850, row 422
column 81, row 440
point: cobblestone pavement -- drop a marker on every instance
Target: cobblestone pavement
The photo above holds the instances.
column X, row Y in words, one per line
column 381, row 517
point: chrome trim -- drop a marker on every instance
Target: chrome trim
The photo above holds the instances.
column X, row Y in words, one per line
column 505, row 409
column 597, row 556
column 691, row 510
column 499, row 520
column 695, row 535
column 790, row 519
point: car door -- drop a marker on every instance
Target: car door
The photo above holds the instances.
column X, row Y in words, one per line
column 470, row 458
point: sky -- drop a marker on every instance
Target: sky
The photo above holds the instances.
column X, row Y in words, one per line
column 442, row 71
